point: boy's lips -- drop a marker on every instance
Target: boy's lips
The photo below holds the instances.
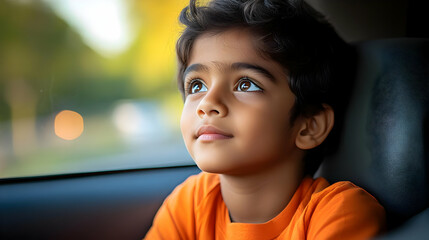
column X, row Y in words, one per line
column 210, row 133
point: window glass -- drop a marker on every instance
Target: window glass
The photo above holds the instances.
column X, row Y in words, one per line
column 88, row 86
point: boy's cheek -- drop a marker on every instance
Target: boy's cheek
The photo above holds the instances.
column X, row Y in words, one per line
column 186, row 117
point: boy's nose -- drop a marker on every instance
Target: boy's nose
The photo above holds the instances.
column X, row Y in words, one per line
column 212, row 105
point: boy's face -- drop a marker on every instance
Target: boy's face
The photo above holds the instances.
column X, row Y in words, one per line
column 237, row 108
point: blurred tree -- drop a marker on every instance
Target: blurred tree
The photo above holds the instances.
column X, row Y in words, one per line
column 45, row 67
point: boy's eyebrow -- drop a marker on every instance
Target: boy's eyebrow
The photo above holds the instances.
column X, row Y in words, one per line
column 256, row 68
column 195, row 68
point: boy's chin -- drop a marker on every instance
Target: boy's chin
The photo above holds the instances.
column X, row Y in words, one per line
column 214, row 166
column 227, row 167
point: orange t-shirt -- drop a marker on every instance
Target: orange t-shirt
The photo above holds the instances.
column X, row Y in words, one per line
column 317, row 210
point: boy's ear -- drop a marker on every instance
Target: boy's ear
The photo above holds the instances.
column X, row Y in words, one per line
column 314, row 130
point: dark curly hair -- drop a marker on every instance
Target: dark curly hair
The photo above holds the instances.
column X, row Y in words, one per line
column 290, row 32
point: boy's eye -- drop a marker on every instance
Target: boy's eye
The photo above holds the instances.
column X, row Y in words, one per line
column 246, row 85
column 197, row 86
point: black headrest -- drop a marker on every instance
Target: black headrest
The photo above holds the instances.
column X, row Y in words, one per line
column 385, row 140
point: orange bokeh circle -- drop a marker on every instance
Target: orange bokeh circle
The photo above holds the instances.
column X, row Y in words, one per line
column 68, row 125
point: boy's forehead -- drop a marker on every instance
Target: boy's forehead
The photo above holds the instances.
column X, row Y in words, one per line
column 232, row 38
column 226, row 46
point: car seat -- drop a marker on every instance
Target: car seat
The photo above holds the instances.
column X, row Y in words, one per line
column 384, row 146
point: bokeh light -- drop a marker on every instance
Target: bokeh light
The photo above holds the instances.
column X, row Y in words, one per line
column 68, row 125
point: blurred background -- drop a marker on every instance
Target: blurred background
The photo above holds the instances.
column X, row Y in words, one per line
column 88, row 86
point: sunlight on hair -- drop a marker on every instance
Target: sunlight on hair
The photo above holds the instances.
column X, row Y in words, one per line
column 68, row 125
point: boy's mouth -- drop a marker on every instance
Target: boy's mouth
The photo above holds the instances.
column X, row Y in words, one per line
column 210, row 133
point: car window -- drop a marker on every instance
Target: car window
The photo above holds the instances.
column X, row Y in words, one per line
column 88, row 86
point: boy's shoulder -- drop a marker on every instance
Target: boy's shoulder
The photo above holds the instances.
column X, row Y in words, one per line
column 341, row 190
column 343, row 200
column 340, row 207
column 197, row 187
column 203, row 182
column 320, row 193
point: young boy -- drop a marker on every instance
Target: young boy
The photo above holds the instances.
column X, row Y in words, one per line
column 261, row 81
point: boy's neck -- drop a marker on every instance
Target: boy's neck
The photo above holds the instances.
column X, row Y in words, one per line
column 258, row 198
